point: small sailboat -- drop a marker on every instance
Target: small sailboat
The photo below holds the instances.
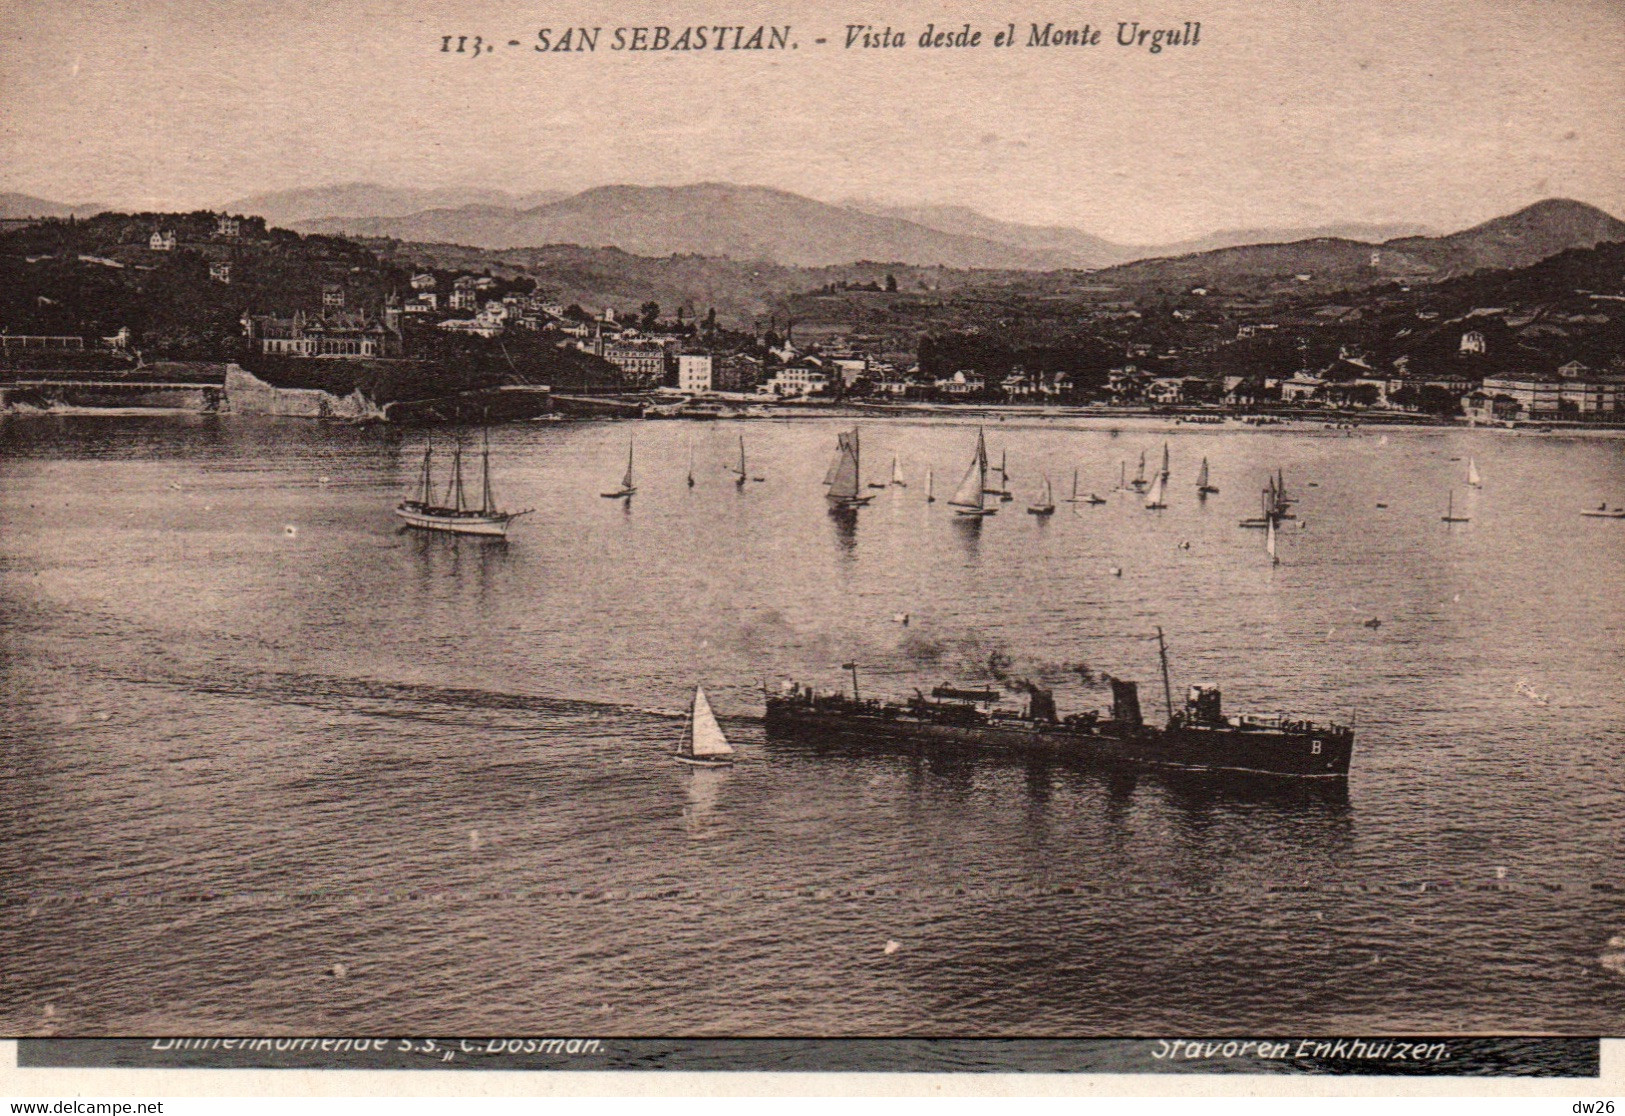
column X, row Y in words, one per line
column 1045, row 504
column 843, row 485
column 1203, row 488
column 1282, row 500
column 897, row 473
column 971, row 497
column 453, row 514
column 1154, row 499
column 691, row 462
column 1269, row 544
column 1450, row 515
column 1074, row 498
column 1164, row 473
column 1473, row 479
column 703, row 744
column 1602, row 511
column 1139, row 477
column 740, row 476
column 1003, row 491
column 627, row 487
column 930, row 497
column 1122, row 476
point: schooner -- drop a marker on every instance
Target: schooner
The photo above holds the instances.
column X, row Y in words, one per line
column 453, row 513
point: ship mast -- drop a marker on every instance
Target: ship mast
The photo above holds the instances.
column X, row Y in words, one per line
column 487, row 502
column 455, row 495
column 426, row 481
column 1167, row 687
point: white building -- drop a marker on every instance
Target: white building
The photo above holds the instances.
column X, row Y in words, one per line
column 694, row 372
column 161, row 241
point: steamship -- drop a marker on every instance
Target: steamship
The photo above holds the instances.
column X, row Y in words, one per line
column 1200, row 738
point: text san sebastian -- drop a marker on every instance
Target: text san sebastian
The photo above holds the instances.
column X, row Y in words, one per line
column 660, row 37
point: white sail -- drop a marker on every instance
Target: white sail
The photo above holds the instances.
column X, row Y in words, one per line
column 1472, row 474
column 1165, row 462
column 897, row 472
column 1046, row 495
column 1269, row 541
column 706, row 737
column 626, row 481
column 1201, row 477
column 1153, row 499
column 970, row 491
column 844, row 484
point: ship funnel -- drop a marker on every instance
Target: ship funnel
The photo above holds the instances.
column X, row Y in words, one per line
column 1126, row 702
column 1204, row 704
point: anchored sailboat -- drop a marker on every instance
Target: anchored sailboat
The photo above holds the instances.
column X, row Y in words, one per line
column 740, row 476
column 930, row 497
column 1139, row 477
column 1153, row 499
column 627, row 487
column 843, row 474
column 1003, row 491
column 1203, row 488
column 1473, row 479
column 971, row 497
column 453, row 513
column 1165, row 463
column 1045, row 504
column 691, row 462
column 703, row 744
column 1269, row 544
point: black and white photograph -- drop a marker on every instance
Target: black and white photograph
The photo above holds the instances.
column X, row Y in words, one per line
column 918, row 538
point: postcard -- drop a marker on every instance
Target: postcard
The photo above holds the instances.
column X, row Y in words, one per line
column 912, row 539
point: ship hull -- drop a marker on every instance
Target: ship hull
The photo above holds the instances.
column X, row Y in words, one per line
column 1264, row 753
column 454, row 524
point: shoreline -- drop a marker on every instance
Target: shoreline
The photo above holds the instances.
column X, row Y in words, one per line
column 1080, row 417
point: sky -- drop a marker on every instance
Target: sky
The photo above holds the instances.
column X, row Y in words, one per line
column 1310, row 112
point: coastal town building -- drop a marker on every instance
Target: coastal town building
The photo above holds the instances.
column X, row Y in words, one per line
column 161, row 241
column 227, row 226
column 694, row 372
column 332, row 334
column 423, row 281
column 964, row 382
column 642, row 365
column 220, row 272
column 802, row 378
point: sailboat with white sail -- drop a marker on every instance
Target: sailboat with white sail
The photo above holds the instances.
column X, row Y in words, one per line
column 1473, row 479
column 1164, row 473
column 627, row 488
column 897, row 473
column 1154, row 499
column 1203, row 488
column 843, row 474
column 453, row 513
column 1269, row 544
column 970, row 500
column 1139, row 481
column 703, row 744
column 740, row 476
column 1045, row 504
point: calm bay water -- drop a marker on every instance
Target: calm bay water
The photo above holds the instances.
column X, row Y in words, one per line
column 254, row 732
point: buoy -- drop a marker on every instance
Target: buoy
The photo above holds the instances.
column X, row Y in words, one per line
column 901, row 618
column 1117, row 571
column 290, row 530
column 892, row 947
column 324, row 480
column 338, row 970
column 1373, row 623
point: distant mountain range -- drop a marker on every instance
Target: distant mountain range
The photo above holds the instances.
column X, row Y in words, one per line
column 19, row 206
column 357, row 200
column 1517, row 240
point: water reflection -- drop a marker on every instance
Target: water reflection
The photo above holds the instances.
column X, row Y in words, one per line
column 845, row 522
column 704, row 786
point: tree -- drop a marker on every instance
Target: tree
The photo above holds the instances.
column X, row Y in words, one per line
column 891, row 281
column 651, row 314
